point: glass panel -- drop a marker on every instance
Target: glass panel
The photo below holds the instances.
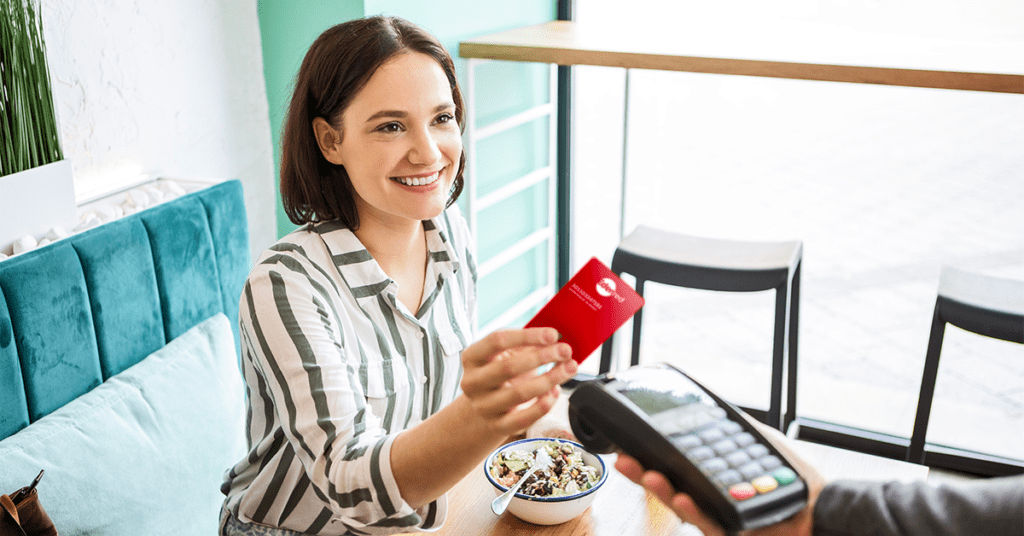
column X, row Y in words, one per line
column 522, row 320
column 508, row 155
column 501, row 290
column 882, row 184
column 504, row 224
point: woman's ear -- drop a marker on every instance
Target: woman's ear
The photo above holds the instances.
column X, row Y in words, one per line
column 328, row 139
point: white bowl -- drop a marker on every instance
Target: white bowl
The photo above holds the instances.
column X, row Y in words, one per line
column 548, row 510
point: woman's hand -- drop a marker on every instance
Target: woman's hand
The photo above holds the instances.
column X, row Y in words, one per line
column 689, row 512
column 500, row 380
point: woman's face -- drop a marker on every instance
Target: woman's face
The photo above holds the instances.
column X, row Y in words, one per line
column 400, row 142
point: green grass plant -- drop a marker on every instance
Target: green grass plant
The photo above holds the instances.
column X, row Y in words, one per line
column 29, row 136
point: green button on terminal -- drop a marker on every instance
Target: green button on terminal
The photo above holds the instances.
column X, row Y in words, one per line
column 784, row 475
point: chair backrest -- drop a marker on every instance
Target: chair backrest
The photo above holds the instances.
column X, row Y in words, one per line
column 83, row 309
column 983, row 304
column 979, row 303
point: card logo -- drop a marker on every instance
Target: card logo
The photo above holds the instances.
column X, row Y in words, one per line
column 606, row 288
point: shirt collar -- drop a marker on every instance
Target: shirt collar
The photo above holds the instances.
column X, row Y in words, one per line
column 365, row 278
column 439, row 245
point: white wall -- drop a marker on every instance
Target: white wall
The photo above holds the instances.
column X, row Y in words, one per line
column 171, row 88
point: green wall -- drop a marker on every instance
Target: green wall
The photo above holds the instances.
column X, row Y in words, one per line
column 287, row 28
column 453, row 21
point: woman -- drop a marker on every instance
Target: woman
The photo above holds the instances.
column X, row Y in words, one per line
column 362, row 414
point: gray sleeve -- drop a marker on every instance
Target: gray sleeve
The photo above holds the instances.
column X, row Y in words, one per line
column 984, row 507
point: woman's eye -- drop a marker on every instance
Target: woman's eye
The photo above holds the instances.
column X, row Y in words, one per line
column 444, row 118
column 389, row 128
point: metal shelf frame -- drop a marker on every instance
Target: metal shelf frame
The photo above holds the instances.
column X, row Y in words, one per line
column 475, row 203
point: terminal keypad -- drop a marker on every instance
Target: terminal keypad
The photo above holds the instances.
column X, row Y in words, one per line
column 733, row 459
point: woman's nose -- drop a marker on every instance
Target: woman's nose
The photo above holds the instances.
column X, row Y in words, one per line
column 424, row 149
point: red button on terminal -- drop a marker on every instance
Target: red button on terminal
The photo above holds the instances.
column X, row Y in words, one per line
column 742, row 491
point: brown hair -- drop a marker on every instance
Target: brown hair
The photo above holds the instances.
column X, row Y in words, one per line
column 338, row 64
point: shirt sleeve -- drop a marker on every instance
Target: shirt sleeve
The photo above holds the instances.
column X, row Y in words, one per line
column 297, row 330
column 984, row 507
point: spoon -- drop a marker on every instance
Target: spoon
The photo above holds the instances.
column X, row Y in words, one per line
column 542, row 459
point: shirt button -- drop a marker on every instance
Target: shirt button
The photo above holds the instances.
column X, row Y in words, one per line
column 423, row 379
column 419, row 335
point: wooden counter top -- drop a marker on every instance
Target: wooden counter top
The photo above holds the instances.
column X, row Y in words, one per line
column 807, row 52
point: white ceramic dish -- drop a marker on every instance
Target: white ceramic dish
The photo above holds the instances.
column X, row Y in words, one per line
column 548, row 510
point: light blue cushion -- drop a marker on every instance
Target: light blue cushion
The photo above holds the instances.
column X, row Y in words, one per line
column 145, row 452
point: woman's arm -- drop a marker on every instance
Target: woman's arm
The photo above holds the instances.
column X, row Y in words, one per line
column 502, row 396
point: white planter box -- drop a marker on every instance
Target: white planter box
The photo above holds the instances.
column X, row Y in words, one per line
column 34, row 201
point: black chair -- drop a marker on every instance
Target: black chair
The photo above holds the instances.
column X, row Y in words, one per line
column 986, row 305
column 680, row 260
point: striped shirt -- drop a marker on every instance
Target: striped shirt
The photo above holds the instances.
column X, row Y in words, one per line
column 335, row 366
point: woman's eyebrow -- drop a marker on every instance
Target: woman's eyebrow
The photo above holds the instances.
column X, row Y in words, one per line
column 387, row 113
column 398, row 114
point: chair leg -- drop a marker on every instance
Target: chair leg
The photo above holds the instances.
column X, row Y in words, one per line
column 794, row 321
column 778, row 358
column 915, row 453
column 606, row 355
column 634, row 358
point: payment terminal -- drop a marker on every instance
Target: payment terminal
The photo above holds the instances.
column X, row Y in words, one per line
column 674, row 425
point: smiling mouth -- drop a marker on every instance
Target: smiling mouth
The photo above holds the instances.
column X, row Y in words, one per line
column 418, row 181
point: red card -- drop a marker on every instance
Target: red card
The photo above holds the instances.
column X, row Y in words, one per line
column 589, row 308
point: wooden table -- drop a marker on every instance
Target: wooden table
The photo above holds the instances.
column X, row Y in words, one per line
column 622, row 508
column 827, row 53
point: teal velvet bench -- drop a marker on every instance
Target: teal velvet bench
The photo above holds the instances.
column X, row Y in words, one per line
column 119, row 367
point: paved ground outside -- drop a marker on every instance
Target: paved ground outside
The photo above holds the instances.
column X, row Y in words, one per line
column 882, row 184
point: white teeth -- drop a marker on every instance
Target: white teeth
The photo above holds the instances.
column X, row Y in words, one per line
column 421, row 181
